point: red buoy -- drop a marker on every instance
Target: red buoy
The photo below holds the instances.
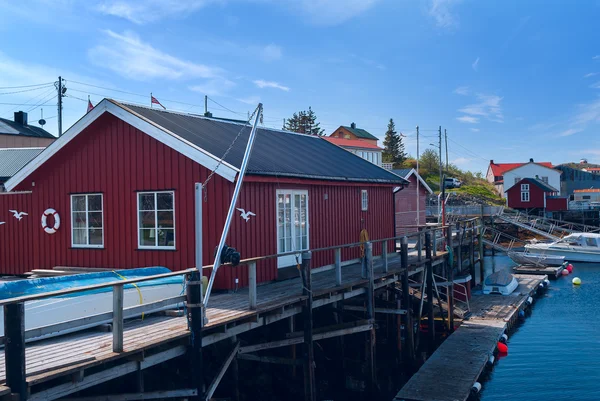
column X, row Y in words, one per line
column 502, row 348
column 570, row 268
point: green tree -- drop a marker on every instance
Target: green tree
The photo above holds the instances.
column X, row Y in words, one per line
column 304, row 122
column 429, row 162
column 393, row 146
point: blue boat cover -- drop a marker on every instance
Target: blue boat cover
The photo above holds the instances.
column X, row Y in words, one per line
column 12, row 289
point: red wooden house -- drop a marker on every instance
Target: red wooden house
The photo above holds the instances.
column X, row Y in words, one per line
column 407, row 213
column 117, row 191
column 533, row 193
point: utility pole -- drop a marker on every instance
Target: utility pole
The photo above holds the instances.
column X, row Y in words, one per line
column 418, row 212
column 440, row 148
column 446, row 141
column 59, row 88
column 205, row 105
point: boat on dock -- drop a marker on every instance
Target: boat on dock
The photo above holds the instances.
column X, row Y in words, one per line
column 529, row 258
column 502, row 282
column 48, row 312
column 576, row 247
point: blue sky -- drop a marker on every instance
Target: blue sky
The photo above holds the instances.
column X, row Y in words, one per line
column 508, row 80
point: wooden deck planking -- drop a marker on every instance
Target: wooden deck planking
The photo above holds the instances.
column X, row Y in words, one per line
column 550, row 271
column 455, row 366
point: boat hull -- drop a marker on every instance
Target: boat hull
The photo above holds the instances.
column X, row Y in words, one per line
column 570, row 254
column 536, row 259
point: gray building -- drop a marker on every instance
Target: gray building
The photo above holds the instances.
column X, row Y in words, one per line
column 572, row 179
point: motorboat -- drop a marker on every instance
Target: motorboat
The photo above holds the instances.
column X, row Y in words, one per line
column 73, row 307
column 576, row 247
column 501, row 282
column 535, row 259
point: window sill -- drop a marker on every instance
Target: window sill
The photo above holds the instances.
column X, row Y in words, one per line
column 157, row 249
column 101, row 248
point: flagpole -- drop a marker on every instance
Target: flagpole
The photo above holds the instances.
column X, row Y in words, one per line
column 150, row 99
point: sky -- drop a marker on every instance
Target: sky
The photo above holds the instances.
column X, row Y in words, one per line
column 507, row 80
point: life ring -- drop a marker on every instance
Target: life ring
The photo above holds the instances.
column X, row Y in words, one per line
column 54, row 213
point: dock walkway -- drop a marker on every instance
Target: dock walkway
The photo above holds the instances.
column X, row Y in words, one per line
column 449, row 374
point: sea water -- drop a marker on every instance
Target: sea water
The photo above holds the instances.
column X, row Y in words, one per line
column 555, row 353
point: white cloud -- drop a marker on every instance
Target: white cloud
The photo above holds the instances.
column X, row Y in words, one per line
column 253, row 100
column 475, row 64
column 127, row 55
column 570, row 131
column 271, row 52
column 462, row 90
column 474, row 129
column 441, row 11
column 332, row 12
column 146, row 11
column 597, row 57
column 589, row 113
column 468, row 119
column 214, row 87
column 461, row 161
column 270, row 84
column 591, row 74
column 487, row 106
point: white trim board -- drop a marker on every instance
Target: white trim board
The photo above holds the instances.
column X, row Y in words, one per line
column 411, row 172
column 157, row 132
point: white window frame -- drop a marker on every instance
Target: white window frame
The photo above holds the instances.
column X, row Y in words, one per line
column 364, row 200
column 545, row 180
column 87, row 221
column 524, row 187
column 290, row 260
column 155, row 247
column 517, row 179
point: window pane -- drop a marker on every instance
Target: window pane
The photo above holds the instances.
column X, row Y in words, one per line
column 281, row 245
column 146, row 201
column 95, row 219
column 79, row 219
column 147, row 237
column 304, row 242
column 165, row 219
column 79, row 237
column 166, row 237
column 147, row 220
column 78, row 203
column 164, row 201
column 94, row 202
column 95, row 236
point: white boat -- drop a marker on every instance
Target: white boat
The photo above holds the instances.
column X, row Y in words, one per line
column 576, row 247
column 535, row 259
column 501, row 282
column 72, row 307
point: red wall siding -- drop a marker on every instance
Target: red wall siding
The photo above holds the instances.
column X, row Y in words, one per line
column 536, row 197
column 117, row 160
column 406, row 207
column 556, row 204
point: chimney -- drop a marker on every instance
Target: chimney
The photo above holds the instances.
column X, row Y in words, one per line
column 21, row 117
column 492, row 161
column 353, row 125
column 530, row 160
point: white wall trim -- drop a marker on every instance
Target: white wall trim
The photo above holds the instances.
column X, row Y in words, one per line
column 411, row 172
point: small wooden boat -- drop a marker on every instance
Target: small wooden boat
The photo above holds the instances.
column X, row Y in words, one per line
column 536, row 259
column 502, row 282
column 47, row 312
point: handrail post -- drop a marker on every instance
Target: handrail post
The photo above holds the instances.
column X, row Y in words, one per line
column 429, row 278
column 384, row 256
column 252, row 284
column 434, row 246
column 117, row 326
column 195, row 316
column 370, row 307
column 406, row 302
column 14, row 350
column 420, row 245
column 450, row 278
column 337, row 252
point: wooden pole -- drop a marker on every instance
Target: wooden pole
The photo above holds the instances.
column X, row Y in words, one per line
column 309, row 357
column 481, row 255
column 14, row 349
column 406, row 303
column 370, row 304
column 195, row 315
column 117, row 327
column 450, row 288
column 338, row 265
column 459, row 236
column 292, row 328
column 235, row 373
column 429, row 278
column 420, row 244
column 472, row 254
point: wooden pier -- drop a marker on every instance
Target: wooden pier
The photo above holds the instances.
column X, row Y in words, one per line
column 553, row 272
column 449, row 374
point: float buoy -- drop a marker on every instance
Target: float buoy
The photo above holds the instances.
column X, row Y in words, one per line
column 547, row 282
column 56, row 226
column 570, row 268
column 521, row 313
column 529, row 301
column 491, row 360
column 576, row 281
column 476, row 388
column 502, row 348
column 503, row 338
column 565, row 272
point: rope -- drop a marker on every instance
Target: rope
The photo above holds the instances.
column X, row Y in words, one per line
column 136, row 287
column 363, row 239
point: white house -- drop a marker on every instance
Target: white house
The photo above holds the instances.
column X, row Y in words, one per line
column 546, row 174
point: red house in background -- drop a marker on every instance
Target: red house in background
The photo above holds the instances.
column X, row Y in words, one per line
column 405, row 201
column 117, row 191
column 533, row 193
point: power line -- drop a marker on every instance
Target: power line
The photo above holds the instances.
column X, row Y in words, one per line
column 25, row 86
column 25, row 90
column 227, row 109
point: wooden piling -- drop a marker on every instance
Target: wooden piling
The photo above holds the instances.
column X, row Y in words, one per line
column 429, row 278
column 235, row 373
column 309, row 357
column 370, row 307
column 14, row 349
column 481, row 250
column 450, row 277
column 195, row 315
column 406, row 302
column 472, row 255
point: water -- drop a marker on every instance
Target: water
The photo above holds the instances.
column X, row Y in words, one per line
column 555, row 353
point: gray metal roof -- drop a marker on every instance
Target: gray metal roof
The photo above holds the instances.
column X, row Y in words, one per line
column 14, row 159
column 402, row 172
column 9, row 127
column 275, row 153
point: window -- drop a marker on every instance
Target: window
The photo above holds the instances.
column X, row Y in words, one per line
column 87, row 230
column 586, row 197
column 156, row 220
column 517, row 179
column 525, row 187
column 292, row 224
column 364, row 200
column 524, row 196
column 545, row 180
column 590, row 241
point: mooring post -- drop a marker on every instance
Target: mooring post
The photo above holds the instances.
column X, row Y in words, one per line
column 406, row 303
column 252, row 285
column 309, row 357
column 235, row 373
column 370, row 306
column 14, row 349
column 420, row 244
column 384, row 256
column 117, row 325
column 292, row 328
column 481, row 250
column 450, row 288
column 195, row 316
column 472, row 255
column 459, row 237
column 337, row 252
column 429, row 278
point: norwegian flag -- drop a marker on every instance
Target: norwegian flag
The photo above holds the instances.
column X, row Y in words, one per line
column 154, row 100
column 90, row 105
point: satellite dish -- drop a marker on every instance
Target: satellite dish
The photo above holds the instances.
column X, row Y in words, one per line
column 42, row 122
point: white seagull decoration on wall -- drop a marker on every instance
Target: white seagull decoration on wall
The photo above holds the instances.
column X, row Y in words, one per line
column 18, row 215
column 245, row 214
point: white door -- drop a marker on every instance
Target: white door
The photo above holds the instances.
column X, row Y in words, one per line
column 292, row 225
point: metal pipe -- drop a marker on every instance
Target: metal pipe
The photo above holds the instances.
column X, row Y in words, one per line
column 198, row 208
column 236, row 193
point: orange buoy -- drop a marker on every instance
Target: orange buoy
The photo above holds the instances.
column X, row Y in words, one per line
column 502, row 348
column 565, row 272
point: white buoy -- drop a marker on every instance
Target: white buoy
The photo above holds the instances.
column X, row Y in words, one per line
column 503, row 338
column 547, row 282
column 491, row 360
column 476, row 388
column 529, row 300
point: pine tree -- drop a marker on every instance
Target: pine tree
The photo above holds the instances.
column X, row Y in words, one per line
column 304, row 122
column 393, row 146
